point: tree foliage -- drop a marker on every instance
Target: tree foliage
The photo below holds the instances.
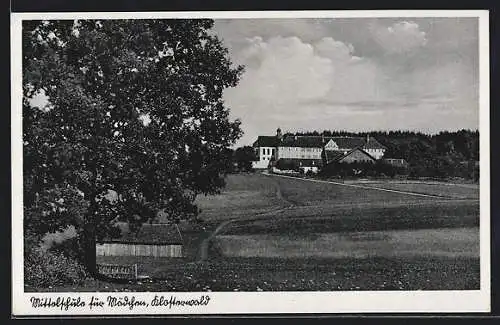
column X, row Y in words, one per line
column 243, row 158
column 134, row 106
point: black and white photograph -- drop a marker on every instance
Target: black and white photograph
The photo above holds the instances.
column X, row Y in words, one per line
column 175, row 163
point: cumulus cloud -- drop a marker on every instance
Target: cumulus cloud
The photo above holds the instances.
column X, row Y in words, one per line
column 400, row 37
column 288, row 79
column 280, row 72
column 337, row 51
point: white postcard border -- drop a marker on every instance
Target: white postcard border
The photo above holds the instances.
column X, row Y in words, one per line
column 258, row 302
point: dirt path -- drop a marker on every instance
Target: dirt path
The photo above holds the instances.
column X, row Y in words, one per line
column 206, row 242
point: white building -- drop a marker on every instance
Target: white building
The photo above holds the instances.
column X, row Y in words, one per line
column 265, row 150
column 300, row 147
column 309, row 150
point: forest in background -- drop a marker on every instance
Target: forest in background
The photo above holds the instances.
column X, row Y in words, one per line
column 442, row 155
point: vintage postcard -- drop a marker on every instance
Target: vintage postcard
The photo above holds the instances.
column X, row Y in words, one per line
column 175, row 163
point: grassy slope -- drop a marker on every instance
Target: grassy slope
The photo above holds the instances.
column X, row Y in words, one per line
column 318, row 208
column 307, row 193
column 458, row 191
column 244, row 195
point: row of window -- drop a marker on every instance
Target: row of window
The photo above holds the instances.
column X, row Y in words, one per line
column 301, row 156
column 301, row 149
column 268, row 151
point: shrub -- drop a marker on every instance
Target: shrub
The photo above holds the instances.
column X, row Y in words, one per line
column 284, row 164
column 362, row 169
column 43, row 268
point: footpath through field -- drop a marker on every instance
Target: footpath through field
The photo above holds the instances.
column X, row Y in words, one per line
column 206, row 242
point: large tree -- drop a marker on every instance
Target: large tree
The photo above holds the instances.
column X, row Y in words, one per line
column 135, row 107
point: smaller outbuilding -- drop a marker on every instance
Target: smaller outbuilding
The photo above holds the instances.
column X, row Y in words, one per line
column 396, row 162
column 154, row 240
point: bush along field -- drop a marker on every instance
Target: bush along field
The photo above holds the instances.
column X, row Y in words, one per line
column 317, row 236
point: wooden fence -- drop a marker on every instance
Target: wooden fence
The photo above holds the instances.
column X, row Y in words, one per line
column 126, row 249
column 118, row 271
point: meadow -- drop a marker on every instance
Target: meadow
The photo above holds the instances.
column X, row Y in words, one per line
column 449, row 190
column 244, row 195
column 320, row 221
column 268, row 233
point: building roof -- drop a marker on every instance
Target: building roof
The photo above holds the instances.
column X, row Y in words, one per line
column 333, row 155
column 313, row 141
column 302, row 141
column 348, row 142
column 356, row 142
column 357, row 149
column 266, row 141
column 372, row 143
column 336, row 155
column 153, row 234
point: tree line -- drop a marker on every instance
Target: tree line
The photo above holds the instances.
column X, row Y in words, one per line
column 445, row 154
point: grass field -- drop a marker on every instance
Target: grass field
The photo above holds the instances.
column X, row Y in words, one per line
column 324, row 219
column 447, row 242
column 458, row 191
column 250, row 194
column 330, row 221
column 244, row 195
column 302, row 192
column 292, row 234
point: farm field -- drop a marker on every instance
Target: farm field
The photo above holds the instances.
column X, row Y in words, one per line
column 311, row 274
column 312, row 192
column 244, row 195
column 444, row 242
column 273, row 233
column 458, row 191
column 251, row 194
column 376, row 217
column 330, row 221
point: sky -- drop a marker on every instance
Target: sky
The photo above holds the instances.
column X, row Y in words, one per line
column 355, row 74
column 352, row 74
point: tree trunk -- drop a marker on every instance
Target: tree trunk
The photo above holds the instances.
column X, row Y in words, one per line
column 89, row 238
column 90, row 249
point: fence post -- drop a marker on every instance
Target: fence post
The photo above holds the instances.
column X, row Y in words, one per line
column 135, row 270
